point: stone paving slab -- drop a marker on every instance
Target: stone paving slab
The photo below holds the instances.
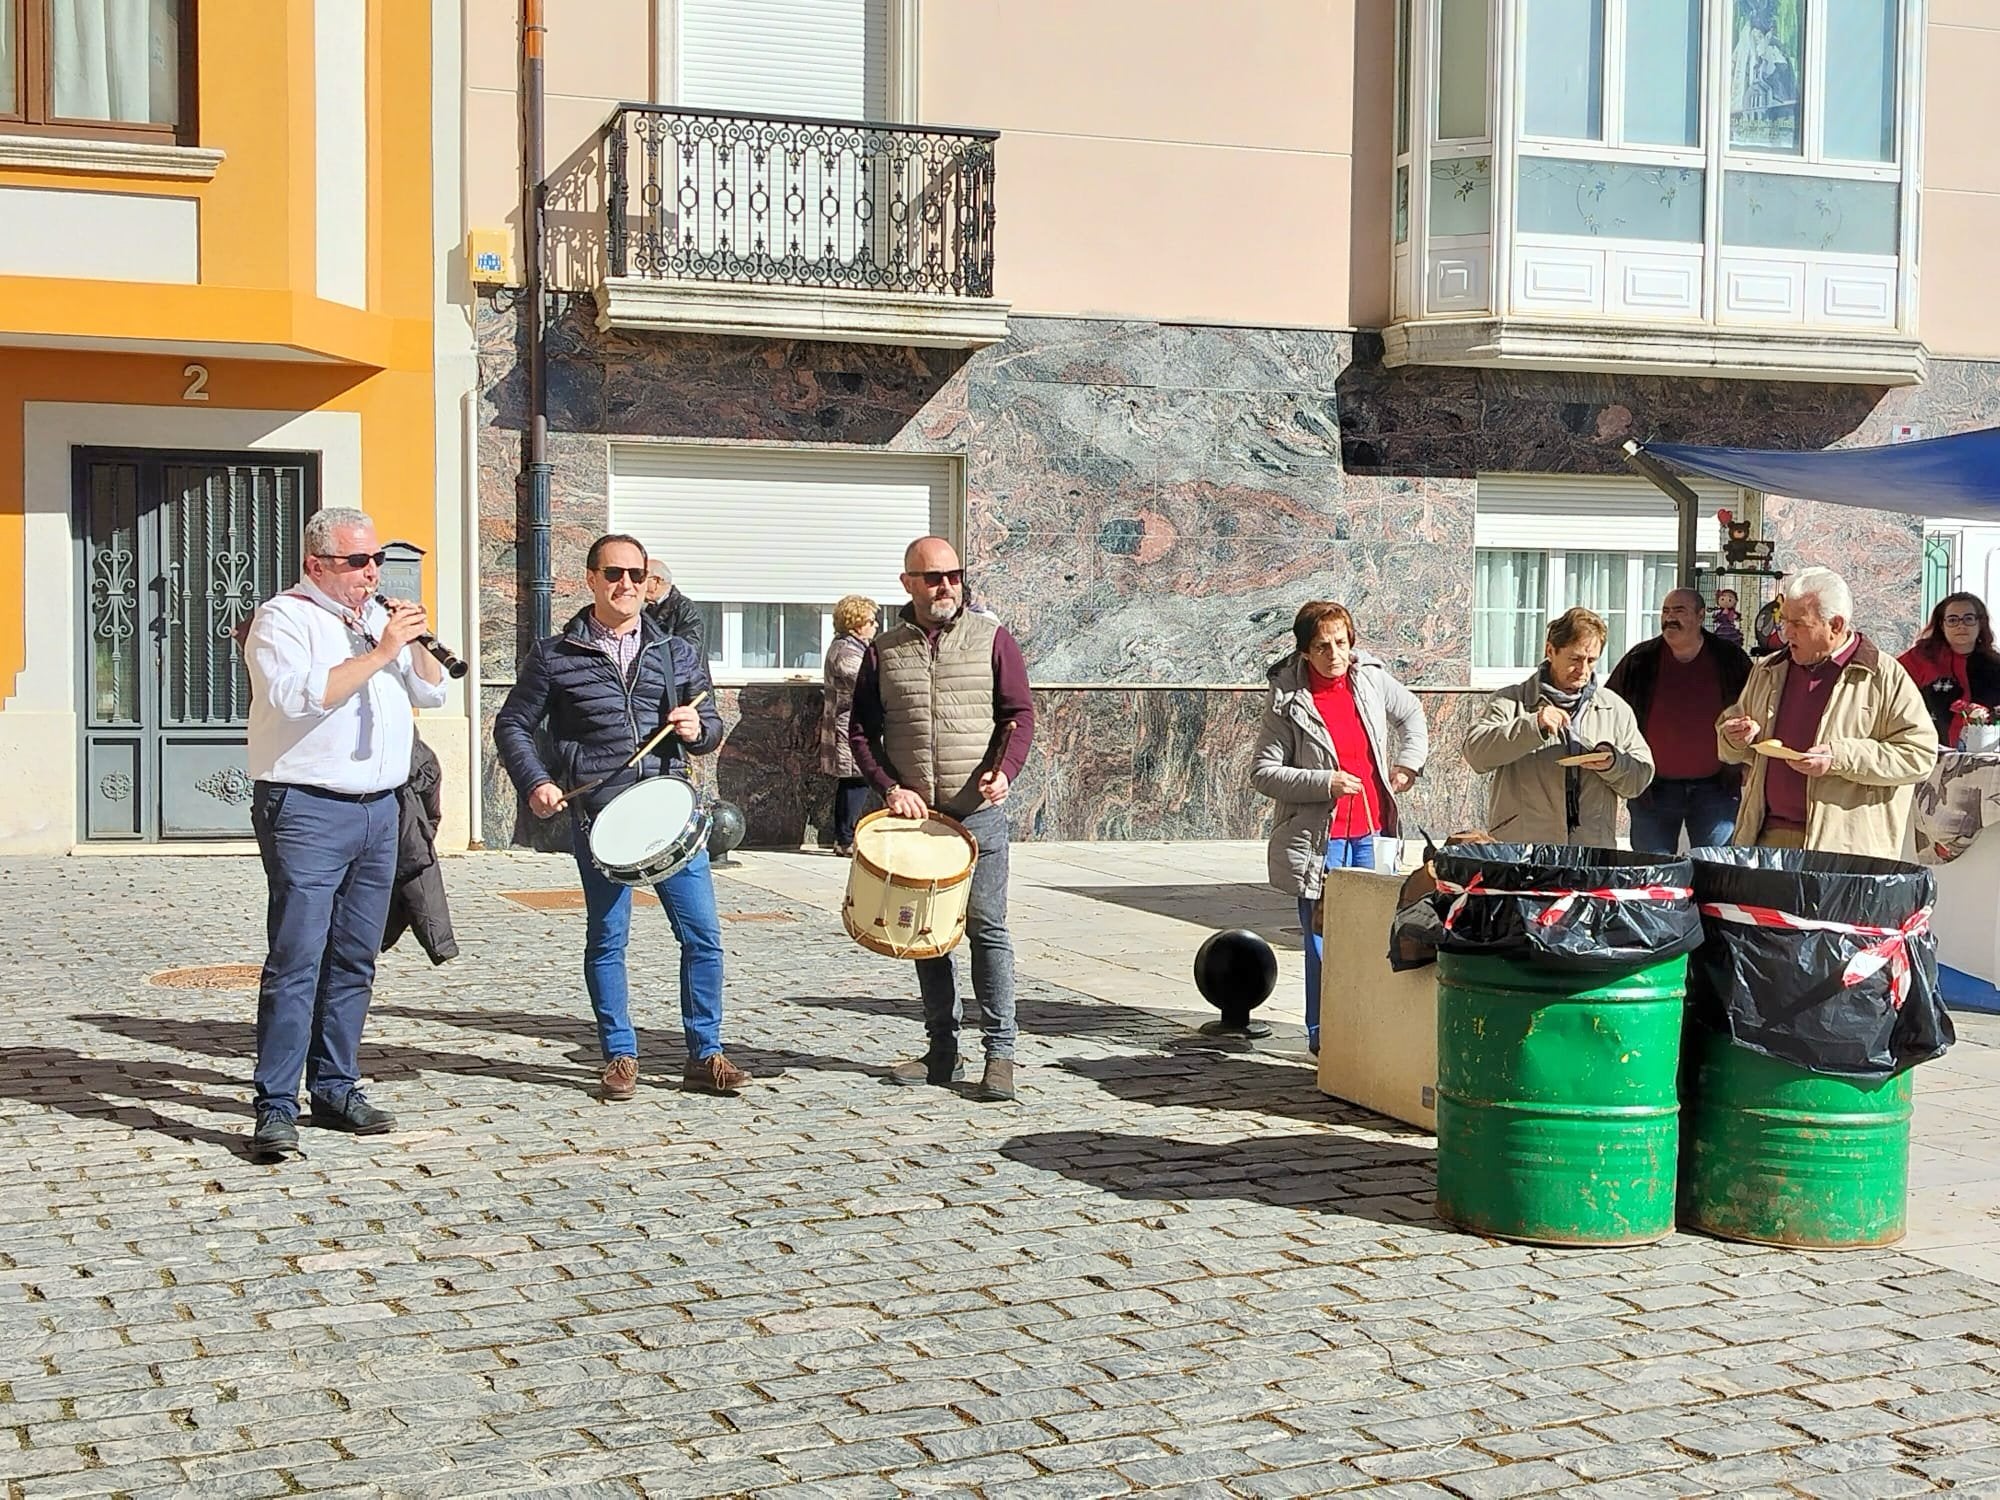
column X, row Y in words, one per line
column 1166, row 1269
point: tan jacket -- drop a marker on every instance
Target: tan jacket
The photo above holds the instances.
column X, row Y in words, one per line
column 1525, row 803
column 1883, row 743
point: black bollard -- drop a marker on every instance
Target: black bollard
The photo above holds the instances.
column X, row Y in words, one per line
column 1235, row 972
column 725, row 832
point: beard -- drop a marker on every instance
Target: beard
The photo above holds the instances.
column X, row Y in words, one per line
column 938, row 611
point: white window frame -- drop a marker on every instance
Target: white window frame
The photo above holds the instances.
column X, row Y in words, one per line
column 905, row 48
column 1641, row 616
column 725, row 647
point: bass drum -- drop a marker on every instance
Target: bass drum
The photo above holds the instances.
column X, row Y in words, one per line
column 650, row 831
column 909, row 885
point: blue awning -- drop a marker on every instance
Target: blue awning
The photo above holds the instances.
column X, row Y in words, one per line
column 1939, row 477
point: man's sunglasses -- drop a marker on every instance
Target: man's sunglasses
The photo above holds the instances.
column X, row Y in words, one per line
column 619, row 575
column 354, row 559
column 935, row 576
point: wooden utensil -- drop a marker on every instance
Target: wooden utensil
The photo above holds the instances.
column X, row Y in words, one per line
column 637, row 755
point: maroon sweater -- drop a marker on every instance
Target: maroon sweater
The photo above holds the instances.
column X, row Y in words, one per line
column 1801, row 706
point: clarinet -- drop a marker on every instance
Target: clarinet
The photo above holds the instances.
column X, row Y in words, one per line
column 453, row 667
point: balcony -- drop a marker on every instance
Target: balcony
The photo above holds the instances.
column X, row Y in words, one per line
column 784, row 227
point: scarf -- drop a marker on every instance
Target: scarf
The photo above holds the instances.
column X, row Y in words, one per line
column 1572, row 704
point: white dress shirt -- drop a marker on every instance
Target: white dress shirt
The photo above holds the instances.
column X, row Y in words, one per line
column 360, row 745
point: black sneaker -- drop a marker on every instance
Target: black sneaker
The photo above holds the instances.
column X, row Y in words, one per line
column 354, row 1114
column 276, row 1137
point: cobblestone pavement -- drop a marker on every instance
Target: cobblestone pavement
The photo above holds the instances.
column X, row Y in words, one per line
column 1165, row 1269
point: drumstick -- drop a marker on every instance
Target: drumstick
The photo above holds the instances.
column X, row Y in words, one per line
column 637, row 755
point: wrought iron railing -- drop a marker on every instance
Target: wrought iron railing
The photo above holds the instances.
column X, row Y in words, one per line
column 698, row 194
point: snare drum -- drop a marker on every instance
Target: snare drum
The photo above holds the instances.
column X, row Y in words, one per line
column 909, row 884
column 649, row 831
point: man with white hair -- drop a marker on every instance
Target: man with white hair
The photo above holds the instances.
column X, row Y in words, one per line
column 672, row 610
column 333, row 675
column 1834, row 732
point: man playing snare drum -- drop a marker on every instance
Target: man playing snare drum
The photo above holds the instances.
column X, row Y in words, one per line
column 943, row 718
column 604, row 686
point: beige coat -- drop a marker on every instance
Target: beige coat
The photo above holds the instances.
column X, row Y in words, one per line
column 1525, row 804
column 1883, row 743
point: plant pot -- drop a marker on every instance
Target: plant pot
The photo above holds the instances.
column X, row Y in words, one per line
column 1980, row 739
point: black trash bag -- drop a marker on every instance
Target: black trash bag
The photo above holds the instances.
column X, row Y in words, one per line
column 1784, row 991
column 1586, row 933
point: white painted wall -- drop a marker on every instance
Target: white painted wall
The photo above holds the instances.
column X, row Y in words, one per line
column 340, row 149
column 99, row 236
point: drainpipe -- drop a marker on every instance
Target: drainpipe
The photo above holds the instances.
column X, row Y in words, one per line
column 475, row 697
column 1686, row 501
column 534, row 195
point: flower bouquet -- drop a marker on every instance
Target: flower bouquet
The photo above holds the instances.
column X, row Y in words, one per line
column 1980, row 735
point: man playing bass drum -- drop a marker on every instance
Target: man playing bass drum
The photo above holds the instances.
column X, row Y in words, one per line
column 604, row 685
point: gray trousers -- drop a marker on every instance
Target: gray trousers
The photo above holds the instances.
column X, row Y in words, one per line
column 992, row 950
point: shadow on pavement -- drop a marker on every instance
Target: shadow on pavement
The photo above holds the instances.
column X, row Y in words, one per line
column 1383, row 1182
column 1189, row 1078
column 1271, row 916
column 1035, row 1014
column 94, row 1088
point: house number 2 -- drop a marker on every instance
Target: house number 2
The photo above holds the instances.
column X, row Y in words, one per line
column 197, row 377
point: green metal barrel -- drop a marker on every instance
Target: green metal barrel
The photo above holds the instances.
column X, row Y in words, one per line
column 1557, row 1104
column 1781, row 1156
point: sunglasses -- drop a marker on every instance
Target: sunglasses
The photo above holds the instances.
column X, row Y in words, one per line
column 934, row 576
column 353, row 559
column 618, row 575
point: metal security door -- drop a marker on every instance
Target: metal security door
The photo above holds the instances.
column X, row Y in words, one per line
column 176, row 550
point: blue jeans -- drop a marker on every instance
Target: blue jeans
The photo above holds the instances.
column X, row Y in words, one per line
column 689, row 898
column 329, row 864
column 1341, row 854
column 1707, row 808
column 992, row 950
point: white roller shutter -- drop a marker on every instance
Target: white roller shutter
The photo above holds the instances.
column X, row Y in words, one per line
column 1592, row 513
column 747, row 525
column 827, row 58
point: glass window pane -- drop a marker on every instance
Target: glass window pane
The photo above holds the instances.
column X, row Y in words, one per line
column 1461, row 111
column 1461, row 196
column 10, row 99
column 1559, row 196
column 1663, row 72
column 1861, row 80
column 760, row 635
column 1597, row 580
column 1402, row 204
column 1767, row 43
column 1509, row 616
column 1660, row 576
column 115, row 61
column 1778, row 211
column 1565, row 69
column 711, row 630
column 1402, row 75
column 802, row 626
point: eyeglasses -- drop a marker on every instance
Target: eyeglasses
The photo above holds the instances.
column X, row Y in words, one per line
column 932, row 577
column 617, row 575
column 1963, row 620
column 353, row 559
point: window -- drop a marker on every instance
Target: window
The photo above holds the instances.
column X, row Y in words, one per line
column 116, row 68
column 1815, row 79
column 765, row 541
column 1545, row 543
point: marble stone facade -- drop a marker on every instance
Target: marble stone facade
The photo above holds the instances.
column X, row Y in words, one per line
column 1147, row 505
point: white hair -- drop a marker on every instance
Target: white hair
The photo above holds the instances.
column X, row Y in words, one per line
column 1827, row 590
column 322, row 524
column 659, row 570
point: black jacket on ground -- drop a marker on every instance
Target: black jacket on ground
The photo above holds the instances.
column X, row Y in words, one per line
column 595, row 719
column 676, row 615
column 417, row 902
column 1638, row 671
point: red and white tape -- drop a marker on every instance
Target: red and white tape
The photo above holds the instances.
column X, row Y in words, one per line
column 1891, row 951
column 1562, row 901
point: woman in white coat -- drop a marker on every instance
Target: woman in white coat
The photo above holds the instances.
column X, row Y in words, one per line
column 1341, row 738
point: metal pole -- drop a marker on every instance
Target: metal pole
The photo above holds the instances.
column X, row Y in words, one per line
column 1686, row 502
column 534, row 195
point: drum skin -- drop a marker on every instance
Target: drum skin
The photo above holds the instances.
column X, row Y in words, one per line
column 918, row 911
column 649, row 831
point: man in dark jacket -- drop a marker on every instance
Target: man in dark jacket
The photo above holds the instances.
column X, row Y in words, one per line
column 1677, row 683
column 604, row 686
column 672, row 610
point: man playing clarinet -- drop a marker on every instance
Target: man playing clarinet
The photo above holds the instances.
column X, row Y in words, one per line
column 333, row 676
column 943, row 717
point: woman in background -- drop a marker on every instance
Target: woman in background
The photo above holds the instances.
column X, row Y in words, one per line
column 854, row 627
column 1954, row 661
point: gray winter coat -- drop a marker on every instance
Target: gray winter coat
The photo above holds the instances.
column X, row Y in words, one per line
column 1294, row 755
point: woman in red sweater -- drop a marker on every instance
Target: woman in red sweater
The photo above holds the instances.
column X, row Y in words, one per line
column 1954, row 662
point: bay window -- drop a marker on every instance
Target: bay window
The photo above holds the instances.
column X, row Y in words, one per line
column 121, row 69
column 1694, row 167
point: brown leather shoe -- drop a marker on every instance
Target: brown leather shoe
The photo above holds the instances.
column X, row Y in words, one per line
column 713, row 1075
column 997, row 1082
column 621, row 1078
column 939, row 1068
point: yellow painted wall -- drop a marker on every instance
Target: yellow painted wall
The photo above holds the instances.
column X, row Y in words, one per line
column 258, row 278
